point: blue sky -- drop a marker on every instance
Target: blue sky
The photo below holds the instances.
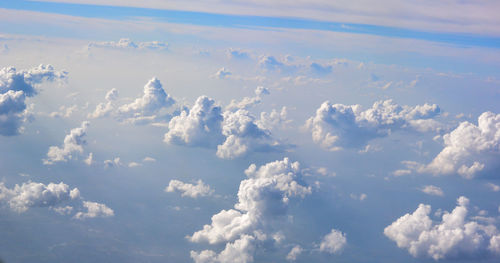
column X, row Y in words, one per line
column 219, row 131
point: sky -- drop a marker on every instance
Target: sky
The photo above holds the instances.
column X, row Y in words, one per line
column 213, row 131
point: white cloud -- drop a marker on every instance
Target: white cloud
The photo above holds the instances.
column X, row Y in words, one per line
column 125, row 43
column 453, row 237
column 134, row 164
column 200, row 126
column 237, row 54
column 104, row 109
column 113, row 163
column 89, row 159
column 248, row 102
column 64, row 112
column 73, row 143
column 360, row 197
column 240, row 251
column 336, row 126
column 94, row 210
column 432, row 190
column 222, row 73
column 294, row 253
column 469, row 149
column 190, row 190
column 493, row 187
column 333, row 243
column 15, row 87
column 149, row 159
column 66, row 210
column 31, row 194
column 263, row 197
column 154, row 99
column 273, row 119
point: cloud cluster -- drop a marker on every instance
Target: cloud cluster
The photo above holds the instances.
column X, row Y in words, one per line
column 470, row 149
column 262, row 198
column 15, row 87
column 455, row 236
column 189, row 190
column 73, row 143
column 234, row 132
column 32, row 194
column 337, row 126
column 125, row 43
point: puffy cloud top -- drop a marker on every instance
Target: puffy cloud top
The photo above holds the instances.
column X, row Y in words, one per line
column 73, row 142
column 94, row 210
column 453, row 237
column 201, row 126
column 125, row 43
column 469, row 149
column 154, row 99
column 336, row 126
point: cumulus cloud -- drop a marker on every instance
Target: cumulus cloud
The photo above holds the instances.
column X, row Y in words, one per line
column 73, row 143
column 200, row 126
column 453, row 237
column 493, row 187
column 104, row 109
column 333, row 243
column 262, row 198
column 116, row 162
column 337, row 126
column 125, row 43
column 190, row 190
column 470, row 149
column 154, row 99
column 15, row 87
column 234, row 132
column 31, row 194
column 432, row 190
column 294, row 253
column 94, row 210
column 248, row 102
column 222, row 73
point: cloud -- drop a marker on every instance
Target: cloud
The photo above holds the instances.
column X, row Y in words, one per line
column 432, row 190
column 470, row 149
column 294, row 253
column 200, row 126
column 104, row 109
column 493, row 187
column 73, row 143
column 113, row 163
column 125, row 43
column 222, row 73
column 454, row 237
column 262, row 198
column 190, row 190
column 94, row 210
column 240, row 251
column 333, row 243
column 237, row 54
column 154, row 99
column 338, row 126
column 31, row 194
column 321, row 69
column 15, row 87
column 248, row 102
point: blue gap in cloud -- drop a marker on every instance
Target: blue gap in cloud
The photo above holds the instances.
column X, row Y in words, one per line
column 239, row 21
